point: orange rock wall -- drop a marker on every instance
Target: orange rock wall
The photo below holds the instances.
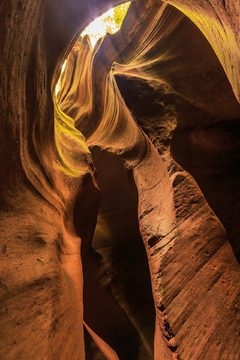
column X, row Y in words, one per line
column 119, row 197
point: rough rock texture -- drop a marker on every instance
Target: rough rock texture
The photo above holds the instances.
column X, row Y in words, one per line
column 119, row 196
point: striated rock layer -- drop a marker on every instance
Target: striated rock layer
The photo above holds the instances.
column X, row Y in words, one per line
column 119, row 195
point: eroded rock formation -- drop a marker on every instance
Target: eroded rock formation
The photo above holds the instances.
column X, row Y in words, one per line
column 119, row 196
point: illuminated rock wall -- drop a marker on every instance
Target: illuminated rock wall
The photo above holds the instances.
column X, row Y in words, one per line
column 110, row 246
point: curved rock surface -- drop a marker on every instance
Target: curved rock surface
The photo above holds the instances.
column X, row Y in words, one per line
column 119, row 195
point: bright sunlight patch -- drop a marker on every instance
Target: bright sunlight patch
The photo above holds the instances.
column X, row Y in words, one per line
column 110, row 22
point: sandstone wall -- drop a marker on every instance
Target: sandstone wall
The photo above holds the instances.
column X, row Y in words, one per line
column 119, row 196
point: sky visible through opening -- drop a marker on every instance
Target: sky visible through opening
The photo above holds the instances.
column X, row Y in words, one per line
column 110, row 22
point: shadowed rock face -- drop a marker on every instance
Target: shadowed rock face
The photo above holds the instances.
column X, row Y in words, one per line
column 119, row 196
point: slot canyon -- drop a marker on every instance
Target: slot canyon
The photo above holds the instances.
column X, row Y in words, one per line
column 120, row 196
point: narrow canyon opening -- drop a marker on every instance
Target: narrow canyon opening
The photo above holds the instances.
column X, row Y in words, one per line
column 172, row 101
